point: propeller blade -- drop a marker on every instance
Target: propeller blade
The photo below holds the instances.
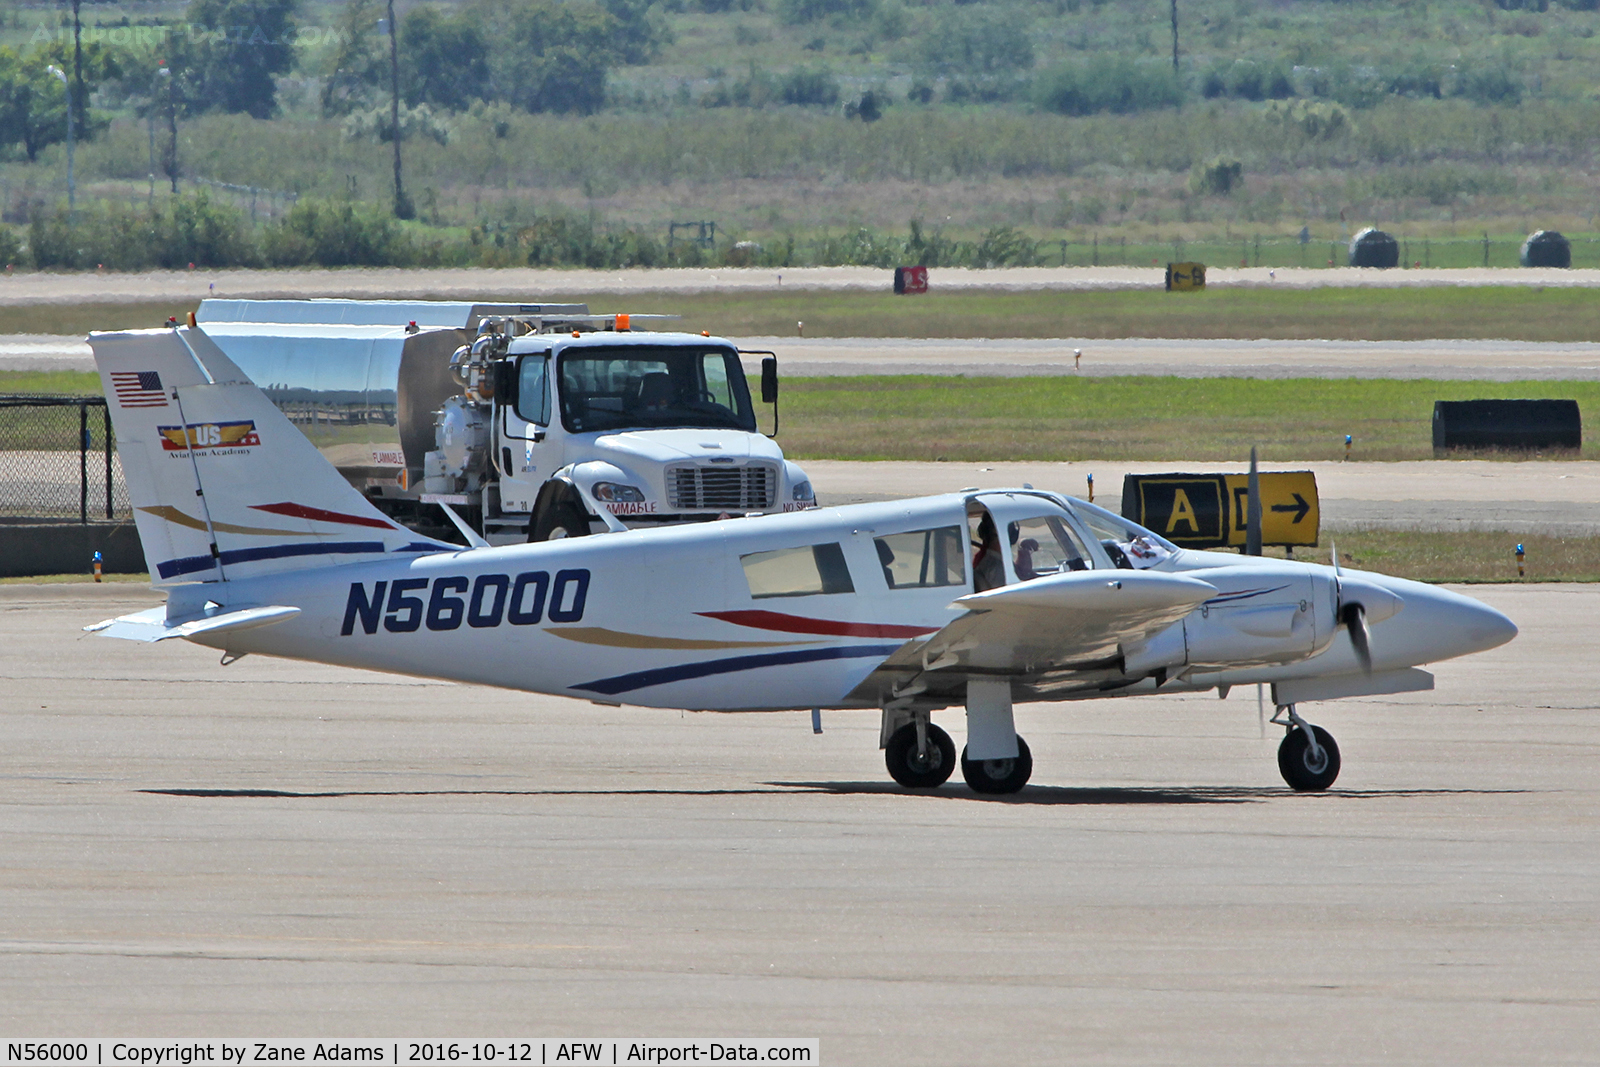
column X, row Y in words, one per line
column 1354, row 617
column 1252, row 510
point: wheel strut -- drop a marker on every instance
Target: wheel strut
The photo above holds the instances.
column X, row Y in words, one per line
column 1289, row 719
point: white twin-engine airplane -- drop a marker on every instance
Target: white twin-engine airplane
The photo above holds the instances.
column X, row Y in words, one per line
column 264, row 548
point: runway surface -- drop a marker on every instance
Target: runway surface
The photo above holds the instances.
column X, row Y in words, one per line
column 279, row 849
column 1018, row 357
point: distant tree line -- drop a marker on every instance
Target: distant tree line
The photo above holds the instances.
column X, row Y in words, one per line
column 227, row 56
column 195, row 229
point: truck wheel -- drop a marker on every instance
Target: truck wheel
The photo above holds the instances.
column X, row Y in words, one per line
column 563, row 518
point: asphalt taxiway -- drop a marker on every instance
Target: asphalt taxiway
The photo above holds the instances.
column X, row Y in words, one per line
column 283, row 849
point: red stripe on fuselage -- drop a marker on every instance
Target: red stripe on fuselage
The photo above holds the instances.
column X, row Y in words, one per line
column 799, row 624
column 300, row 511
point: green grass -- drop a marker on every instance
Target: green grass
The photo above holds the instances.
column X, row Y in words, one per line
column 1512, row 312
column 51, row 383
column 1481, row 556
column 79, row 319
column 1134, row 418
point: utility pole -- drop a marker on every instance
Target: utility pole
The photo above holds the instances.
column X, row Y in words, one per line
column 72, row 200
column 77, row 67
column 171, row 161
column 402, row 206
column 1174, row 36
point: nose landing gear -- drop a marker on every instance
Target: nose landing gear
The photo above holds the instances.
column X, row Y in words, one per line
column 1308, row 758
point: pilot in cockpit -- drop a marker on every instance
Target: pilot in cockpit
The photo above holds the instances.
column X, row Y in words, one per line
column 988, row 568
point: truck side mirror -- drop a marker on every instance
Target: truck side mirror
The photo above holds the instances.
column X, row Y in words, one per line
column 505, row 382
column 769, row 380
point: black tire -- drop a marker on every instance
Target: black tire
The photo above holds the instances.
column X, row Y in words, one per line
column 1296, row 766
column 563, row 518
column 998, row 775
column 900, row 756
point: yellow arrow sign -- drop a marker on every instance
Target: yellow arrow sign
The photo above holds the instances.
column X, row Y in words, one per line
column 1290, row 514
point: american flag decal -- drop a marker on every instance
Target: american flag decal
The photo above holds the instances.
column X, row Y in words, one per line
column 138, row 389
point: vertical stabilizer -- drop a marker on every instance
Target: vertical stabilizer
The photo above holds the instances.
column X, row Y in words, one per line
column 222, row 484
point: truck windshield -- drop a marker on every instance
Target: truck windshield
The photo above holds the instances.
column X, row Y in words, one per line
column 641, row 387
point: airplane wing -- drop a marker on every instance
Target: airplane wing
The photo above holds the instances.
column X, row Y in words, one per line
column 1064, row 624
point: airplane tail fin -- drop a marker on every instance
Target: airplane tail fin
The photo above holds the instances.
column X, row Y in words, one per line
column 223, row 486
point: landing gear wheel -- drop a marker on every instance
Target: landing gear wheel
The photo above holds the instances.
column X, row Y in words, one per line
column 998, row 775
column 561, row 519
column 929, row 772
column 1295, row 762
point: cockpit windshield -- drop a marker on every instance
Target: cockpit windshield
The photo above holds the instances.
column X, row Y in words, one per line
column 644, row 387
column 1130, row 546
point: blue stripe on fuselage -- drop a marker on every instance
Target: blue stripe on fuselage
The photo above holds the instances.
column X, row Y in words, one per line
column 191, row 564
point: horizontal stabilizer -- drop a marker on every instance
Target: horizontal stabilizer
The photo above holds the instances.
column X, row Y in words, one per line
column 152, row 625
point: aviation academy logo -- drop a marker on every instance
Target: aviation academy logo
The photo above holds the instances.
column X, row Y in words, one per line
column 219, row 436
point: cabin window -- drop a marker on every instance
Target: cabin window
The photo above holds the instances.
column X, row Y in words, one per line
column 922, row 559
column 533, row 391
column 797, row 571
column 1045, row 545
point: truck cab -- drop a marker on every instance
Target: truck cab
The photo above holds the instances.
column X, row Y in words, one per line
column 646, row 428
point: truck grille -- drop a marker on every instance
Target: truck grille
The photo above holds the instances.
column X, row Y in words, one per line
column 693, row 488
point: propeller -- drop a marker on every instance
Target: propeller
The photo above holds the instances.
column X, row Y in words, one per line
column 1352, row 616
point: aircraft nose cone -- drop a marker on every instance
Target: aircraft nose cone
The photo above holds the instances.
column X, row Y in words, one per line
column 1438, row 624
column 1485, row 627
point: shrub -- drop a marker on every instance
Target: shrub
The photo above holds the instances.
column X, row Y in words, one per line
column 10, row 246
column 188, row 229
column 334, row 235
column 1108, row 84
column 1320, row 120
column 1218, row 176
column 796, row 12
column 808, row 88
column 975, row 44
column 1489, row 85
column 1004, row 246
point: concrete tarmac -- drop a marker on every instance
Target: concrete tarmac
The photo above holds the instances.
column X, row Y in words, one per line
column 290, row 850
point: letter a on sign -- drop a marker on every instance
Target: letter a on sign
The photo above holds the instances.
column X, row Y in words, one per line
column 1182, row 512
column 1189, row 509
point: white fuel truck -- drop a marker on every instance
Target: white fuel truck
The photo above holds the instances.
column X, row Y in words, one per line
column 531, row 421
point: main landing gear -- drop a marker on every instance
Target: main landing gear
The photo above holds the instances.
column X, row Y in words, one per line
column 998, row 775
column 1308, row 758
column 919, row 755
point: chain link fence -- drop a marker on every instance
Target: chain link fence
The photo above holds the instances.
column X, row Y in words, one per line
column 1295, row 250
column 58, row 461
